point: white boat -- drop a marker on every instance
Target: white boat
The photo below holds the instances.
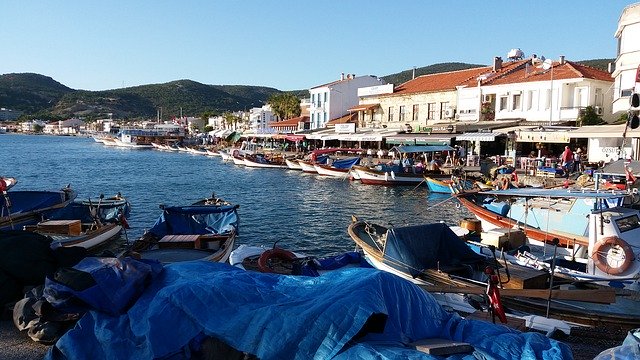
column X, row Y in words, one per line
column 338, row 168
column 389, row 178
column 598, row 240
column 258, row 161
column 238, row 160
column 293, row 164
column 225, row 155
column 212, row 153
column 307, row 166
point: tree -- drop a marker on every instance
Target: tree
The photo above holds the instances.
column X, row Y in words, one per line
column 285, row 105
column 589, row 117
column 230, row 119
column 37, row 128
column 208, row 128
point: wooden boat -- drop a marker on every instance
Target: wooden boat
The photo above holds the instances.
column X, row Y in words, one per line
column 28, row 207
column 292, row 164
column 86, row 223
column 371, row 176
column 447, row 186
column 307, row 166
column 209, row 225
column 435, row 258
column 261, row 161
column 612, row 231
column 338, row 168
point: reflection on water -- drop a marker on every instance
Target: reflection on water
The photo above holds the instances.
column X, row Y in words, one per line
column 300, row 211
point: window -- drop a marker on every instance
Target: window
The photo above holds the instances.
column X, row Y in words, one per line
column 503, row 103
column 443, row 107
column 401, row 117
column 416, row 112
column 325, row 118
column 313, row 99
column 431, row 111
column 390, row 119
column 325, row 97
column 547, row 104
column 517, row 99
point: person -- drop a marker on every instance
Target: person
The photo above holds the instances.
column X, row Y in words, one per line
column 380, row 154
column 532, row 154
column 577, row 156
column 406, row 164
column 567, row 160
column 434, row 165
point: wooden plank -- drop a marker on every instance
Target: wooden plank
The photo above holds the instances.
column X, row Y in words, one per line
column 442, row 347
column 598, row 296
column 63, row 227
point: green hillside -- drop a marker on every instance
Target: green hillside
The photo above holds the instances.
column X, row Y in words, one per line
column 41, row 96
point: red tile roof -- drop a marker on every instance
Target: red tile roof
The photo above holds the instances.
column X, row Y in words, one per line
column 530, row 73
column 349, row 118
column 290, row 122
column 446, row 81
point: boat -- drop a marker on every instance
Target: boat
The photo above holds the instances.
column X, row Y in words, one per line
column 207, row 230
column 447, row 186
column 292, row 164
column 212, row 153
column 238, row 160
column 86, row 223
column 435, row 258
column 338, row 168
column 281, row 261
column 307, row 166
column 386, row 175
column 225, row 155
column 27, row 207
column 596, row 235
column 262, row 161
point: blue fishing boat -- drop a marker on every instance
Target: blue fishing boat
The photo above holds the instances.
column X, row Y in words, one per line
column 88, row 223
column 205, row 230
column 28, row 207
column 448, row 186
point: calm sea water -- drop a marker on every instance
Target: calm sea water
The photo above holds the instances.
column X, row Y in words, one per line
column 303, row 212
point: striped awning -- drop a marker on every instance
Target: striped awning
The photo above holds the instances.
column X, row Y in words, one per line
column 479, row 136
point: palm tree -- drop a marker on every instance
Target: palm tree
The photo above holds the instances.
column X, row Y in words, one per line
column 285, row 105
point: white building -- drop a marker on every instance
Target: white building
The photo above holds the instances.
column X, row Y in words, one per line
column 333, row 100
column 628, row 57
column 259, row 119
column 64, row 127
column 30, row 126
column 535, row 90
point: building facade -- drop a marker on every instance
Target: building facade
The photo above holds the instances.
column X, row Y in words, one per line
column 628, row 57
column 333, row 100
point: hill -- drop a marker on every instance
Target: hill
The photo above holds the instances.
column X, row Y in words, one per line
column 41, row 96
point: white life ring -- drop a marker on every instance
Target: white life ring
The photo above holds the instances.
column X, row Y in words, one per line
column 601, row 259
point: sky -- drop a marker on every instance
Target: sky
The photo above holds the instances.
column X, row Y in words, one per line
column 287, row 44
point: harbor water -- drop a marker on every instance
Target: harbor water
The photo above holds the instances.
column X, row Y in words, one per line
column 302, row 212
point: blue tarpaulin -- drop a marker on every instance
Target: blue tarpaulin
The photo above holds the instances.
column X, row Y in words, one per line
column 196, row 219
column 346, row 163
column 289, row 317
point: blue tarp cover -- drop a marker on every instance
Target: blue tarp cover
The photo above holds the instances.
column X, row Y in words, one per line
column 26, row 201
column 346, row 163
column 108, row 211
column 411, row 249
column 288, row 317
column 196, row 220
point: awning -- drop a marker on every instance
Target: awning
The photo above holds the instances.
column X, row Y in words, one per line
column 364, row 107
column 543, row 136
column 421, row 149
column 294, row 137
column 279, row 136
column 223, row 133
column 319, row 134
column 479, row 136
column 420, row 139
column 600, row 131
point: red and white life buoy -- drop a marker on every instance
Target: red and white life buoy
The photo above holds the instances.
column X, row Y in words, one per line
column 600, row 255
column 274, row 254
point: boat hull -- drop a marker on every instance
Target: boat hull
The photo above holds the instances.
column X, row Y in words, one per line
column 325, row 170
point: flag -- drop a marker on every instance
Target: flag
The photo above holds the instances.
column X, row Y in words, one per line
column 123, row 221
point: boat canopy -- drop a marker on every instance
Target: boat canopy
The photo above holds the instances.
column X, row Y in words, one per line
column 27, row 201
column 106, row 211
column 559, row 193
column 412, row 249
column 403, row 149
column 346, row 163
column 196, row 219
column 334, row 150
column 345, row 314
